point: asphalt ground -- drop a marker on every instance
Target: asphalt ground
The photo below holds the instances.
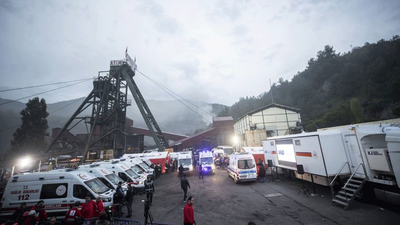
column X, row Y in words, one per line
column 218, row 200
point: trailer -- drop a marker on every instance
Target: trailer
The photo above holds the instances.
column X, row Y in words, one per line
column 364, row 160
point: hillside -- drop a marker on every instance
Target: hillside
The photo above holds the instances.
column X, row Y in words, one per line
column 171, row 116
column 339, row 88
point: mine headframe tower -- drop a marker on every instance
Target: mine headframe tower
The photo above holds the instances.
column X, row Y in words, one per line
column 108, row 102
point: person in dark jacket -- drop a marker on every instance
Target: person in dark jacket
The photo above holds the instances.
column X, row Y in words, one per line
column 180, row 171
column 129, row 199
column 184, row 185
column 261, row 173
column 149, row 189
column 18, row 215
column 201, row 172
column 118, row 199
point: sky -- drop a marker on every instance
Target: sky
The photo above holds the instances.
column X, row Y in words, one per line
column 211, row 51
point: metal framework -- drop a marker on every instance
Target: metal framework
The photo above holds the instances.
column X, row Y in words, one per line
column 108, row 102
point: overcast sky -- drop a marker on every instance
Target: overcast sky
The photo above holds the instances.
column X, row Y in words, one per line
column 212, row 51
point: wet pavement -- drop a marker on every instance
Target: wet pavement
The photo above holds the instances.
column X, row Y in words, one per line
column 218, row 200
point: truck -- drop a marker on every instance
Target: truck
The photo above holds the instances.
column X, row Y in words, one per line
column 185, row 158
column 361, row 160
column 207, row 162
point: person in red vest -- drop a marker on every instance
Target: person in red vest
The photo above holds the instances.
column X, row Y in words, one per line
column 88, row 208
column 72, row 214
column 41, row 214
column 99, row 207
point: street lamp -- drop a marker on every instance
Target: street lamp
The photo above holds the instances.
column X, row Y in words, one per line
column 235, row 140
column 21, row 163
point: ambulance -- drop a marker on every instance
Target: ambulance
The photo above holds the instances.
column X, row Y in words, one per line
column 125, row 172
column 108, row 178
column 207, row 162
column 242, row 167
column 134, row 164
column 59, row 189
column 185, row 158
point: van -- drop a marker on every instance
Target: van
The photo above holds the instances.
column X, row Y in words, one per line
column 143, row 166
column 125, row 173
column 59, row 189
column 133, row 163
column 242, row 167
column 106, row 176
column 185, row 158
column 207, row 162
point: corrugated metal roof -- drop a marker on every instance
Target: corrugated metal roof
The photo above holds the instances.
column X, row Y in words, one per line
column 224, row 118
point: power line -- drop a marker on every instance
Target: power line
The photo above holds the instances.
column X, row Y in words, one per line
column 42, row 85
column 1, row 131
column 169, row 92
column 43, row 92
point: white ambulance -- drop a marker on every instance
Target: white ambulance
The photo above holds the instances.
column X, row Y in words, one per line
column 125, row 172
column 106, row 176
column 58, row 189
column 242, row 167
column 185, row 158
column 207, row 162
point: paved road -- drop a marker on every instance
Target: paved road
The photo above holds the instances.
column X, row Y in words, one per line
column 219, row 201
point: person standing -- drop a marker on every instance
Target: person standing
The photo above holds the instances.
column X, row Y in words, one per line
column 72, row 214
column 129, row 199
column 188, row 213
column 118, row 199
column 31, row 218
column 88, row 208
column 261, row 173
column 18, row 215
column 184, row 185
column 180, row 171
column 149, row 189
column 99, row 206
column 41, row 214
column 201, row 172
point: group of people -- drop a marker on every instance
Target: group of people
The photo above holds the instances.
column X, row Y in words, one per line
column 89, row 211
column 30, row 216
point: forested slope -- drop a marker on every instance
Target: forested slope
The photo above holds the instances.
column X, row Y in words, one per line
column 339, row 88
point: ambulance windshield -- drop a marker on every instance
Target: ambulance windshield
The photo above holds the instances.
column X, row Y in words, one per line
column 132, row 174
column 245, row 164
column 144, row 165
column 114, row 179
column 206, row 160
column 97, row 186
column 185, row 162
column 137, row 169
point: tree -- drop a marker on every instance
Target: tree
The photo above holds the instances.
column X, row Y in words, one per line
column 356, row 109
column 30, row 136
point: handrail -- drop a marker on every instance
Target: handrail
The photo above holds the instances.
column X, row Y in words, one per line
column 337, row 174
column 352, row 175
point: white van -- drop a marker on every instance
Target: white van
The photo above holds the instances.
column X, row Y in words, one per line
column 242, row 167
column 185, row 158
column 207, row 162
column 58, row 189
column 143, row 166
column 106, row 176
column 125, row 173
column 135, row 167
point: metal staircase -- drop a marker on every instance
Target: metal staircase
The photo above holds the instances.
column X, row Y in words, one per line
column 350, row 189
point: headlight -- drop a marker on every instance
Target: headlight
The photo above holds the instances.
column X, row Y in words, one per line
column 190, row 167
column 212, row 166
column 106, row 199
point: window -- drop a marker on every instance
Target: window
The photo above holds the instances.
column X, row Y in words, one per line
column 80, row 191
column 245, row 164
column 104, row 181
column 54, row 191
column 123, row 176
